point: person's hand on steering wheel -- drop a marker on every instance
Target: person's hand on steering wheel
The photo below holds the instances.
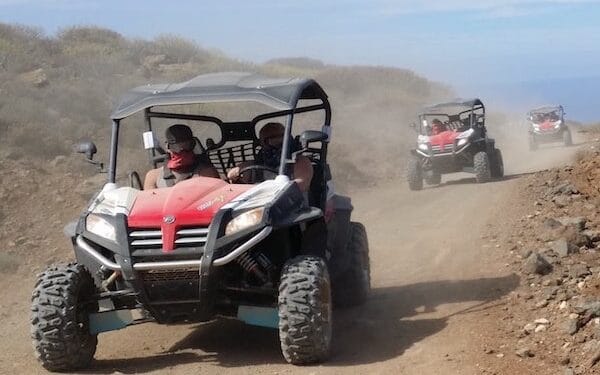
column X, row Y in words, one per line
column 237, row 173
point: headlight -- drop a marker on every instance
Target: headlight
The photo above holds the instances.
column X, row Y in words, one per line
column 245, row 220
column 462, row 142
column 423, row 146
column 557, row 124
column 100, row 227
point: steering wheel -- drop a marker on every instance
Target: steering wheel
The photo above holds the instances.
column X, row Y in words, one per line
column 254, row 178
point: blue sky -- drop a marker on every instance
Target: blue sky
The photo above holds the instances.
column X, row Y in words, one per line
column 460, row 42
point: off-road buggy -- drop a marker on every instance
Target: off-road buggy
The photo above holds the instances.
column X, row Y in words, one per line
column 203, row 248
column 547, row 124
column 452, row 137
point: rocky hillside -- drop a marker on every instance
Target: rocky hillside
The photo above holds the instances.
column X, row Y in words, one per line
column 553, row 320
column 57, row 89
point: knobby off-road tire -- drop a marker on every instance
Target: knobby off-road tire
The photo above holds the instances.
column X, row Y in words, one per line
column 305, row 310
column 433, row 178
column 567, row 140
column 60, row 318
column 533, row 145
column 352, row 287
column 497, row 164
column 481, row 165
column 414, row 174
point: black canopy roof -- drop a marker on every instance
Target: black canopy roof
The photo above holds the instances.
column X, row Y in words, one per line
column 546, row 108
column 466, row 103
column 279, row 93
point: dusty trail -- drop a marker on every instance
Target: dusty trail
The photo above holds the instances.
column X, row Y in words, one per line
column 433, row 279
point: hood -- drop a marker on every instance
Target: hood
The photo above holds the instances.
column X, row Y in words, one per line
column 547, row 125
column 190, row 203
column 444, row 138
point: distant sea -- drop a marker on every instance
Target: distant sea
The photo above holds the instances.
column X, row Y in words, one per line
column 579, row 96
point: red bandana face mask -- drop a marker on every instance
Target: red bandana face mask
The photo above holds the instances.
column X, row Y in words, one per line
column 180, row 160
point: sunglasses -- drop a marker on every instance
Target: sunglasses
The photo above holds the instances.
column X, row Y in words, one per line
column 180, row 146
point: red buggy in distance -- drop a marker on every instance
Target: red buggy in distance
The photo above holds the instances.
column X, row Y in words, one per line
column 546, row 125
column 452, row 137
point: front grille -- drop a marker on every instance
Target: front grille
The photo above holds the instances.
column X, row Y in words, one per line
column 152, row 238
column 171, row 275
column 440, row 149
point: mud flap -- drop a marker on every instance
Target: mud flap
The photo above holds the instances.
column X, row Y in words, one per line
column 259, row 316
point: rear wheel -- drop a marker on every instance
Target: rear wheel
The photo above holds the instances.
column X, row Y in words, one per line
column 567, row 140
column 305, row 310
column 61, row 304
column 352, row 287
column 481, row 166
column 414, row 174
column 533, row 145
column 497, row 164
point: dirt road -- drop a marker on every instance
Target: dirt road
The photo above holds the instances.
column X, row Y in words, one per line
column 436, row 285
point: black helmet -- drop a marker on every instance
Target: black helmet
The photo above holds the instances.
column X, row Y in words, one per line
column 178, row 133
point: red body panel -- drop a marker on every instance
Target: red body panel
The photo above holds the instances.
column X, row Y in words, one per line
column 444, row 138
column 547, row 125
column 189, row 203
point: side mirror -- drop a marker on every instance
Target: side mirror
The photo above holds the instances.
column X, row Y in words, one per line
column 310, row 136
column 86, row 147
column 89, row 149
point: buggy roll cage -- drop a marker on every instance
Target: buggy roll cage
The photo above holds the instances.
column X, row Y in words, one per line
column 281, row 94
column 546, row 109
column 471, row 106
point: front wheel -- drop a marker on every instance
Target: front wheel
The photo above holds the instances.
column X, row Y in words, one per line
column 481, row 166
column 414, row 174
column 497, row 165
column 567, row 140
column 433, row 178
column 305, row 310
column 533, row 145
column 60, row 308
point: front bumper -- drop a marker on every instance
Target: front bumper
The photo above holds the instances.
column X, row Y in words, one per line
column 83, row 244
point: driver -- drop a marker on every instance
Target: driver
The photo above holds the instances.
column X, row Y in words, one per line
column 437, row 127
column 271, row 141
column 183, row 163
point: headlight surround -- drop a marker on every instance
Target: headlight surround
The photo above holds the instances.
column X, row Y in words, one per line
column 423, row 146
column 99, row 226
column 461, row 142
column 245, row 220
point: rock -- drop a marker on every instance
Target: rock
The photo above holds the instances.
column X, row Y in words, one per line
column 595, row 358
column 500, row 355
column 562, row 248
column 577, row 222
column 542, row 303
column 563, row 305
column 536, row 264
column 524, row 353
column 568, row 371
column 565, row 360
column 540, row 328
column 525, row 253
column 542, row 321
column 578, row 270
column 561, row 201
column 36, row 78
column 593, row 235
column 529, row 328
column 571, row 326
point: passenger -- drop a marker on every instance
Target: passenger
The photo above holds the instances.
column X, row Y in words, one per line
column 437, row 127
column 183, row 163
column 271, row 140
